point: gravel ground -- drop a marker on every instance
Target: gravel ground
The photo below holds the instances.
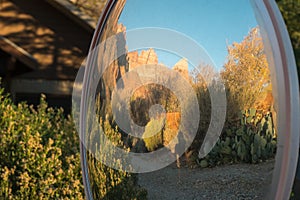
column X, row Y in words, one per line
column 238, row 181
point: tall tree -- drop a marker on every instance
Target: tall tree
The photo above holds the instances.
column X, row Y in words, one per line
column 246, row 73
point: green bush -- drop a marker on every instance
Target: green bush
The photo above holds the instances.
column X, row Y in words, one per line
column 39, row 153
column 39, row 157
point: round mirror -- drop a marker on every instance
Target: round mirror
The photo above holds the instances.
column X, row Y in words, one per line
column 188, row 100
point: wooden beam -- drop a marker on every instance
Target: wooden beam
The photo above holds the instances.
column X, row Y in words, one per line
column 38, row 86
column 19, row 53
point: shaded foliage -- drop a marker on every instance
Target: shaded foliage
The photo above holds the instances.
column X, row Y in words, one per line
column 106, row 182
column 290, row 10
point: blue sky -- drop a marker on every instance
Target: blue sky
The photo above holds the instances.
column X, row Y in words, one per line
column 212, row 23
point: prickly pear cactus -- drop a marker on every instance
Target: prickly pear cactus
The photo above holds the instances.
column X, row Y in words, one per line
column 253, row 140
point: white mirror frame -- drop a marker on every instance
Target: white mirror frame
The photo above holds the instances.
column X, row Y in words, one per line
column 286, row 91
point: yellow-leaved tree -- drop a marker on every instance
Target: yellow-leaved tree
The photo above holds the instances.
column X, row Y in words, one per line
column 246, row 75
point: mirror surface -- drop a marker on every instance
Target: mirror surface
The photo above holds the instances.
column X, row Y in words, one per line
column 180, row 100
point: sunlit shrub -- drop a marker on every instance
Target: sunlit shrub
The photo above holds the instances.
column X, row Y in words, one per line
column 153, row 137
column 39, row 153
column 39, row 157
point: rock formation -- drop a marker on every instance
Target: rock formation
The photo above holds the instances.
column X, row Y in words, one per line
column 182, row 66
column 148, row 56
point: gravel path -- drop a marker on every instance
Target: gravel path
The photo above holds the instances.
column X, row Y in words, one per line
column 239, row 181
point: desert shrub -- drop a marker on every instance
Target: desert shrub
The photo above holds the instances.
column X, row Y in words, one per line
column 251, row 140
column 39, row 153
column 39, row 157
column 153, row 135
column 106, row 182
column 203, row 96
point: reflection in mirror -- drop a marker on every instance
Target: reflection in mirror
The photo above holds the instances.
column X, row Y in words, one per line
column 181, row 102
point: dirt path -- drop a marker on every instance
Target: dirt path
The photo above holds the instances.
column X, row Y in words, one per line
column 239, row 181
